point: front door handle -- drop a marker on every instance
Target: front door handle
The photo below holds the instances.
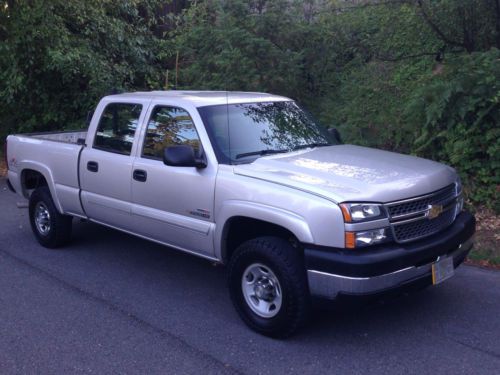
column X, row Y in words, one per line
column 140, row 175
column 92, row 166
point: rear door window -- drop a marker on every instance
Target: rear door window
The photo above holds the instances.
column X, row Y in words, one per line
column 116, row 128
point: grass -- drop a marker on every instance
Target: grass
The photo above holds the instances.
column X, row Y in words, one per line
column 485, row 257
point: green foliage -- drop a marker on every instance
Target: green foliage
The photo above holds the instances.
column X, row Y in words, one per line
column 369, row 104
column 459, row 111
column 58, row 57
column 231, row 46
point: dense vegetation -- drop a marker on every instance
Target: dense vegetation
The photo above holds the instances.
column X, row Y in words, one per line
column 416, row 76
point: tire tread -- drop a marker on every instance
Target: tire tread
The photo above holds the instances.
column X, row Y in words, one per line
column 290, row 266
column 61, row 225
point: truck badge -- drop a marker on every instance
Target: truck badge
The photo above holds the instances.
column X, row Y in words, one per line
column 201, row 213
column 434, row 211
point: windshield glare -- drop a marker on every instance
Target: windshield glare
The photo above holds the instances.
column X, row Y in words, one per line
column 243, row 132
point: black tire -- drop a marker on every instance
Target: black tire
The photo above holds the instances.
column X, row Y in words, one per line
column 286, row 263
column 58, row 226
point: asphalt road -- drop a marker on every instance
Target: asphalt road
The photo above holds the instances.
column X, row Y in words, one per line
column 113, row 303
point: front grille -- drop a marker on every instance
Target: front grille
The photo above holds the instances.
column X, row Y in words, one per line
column 409, row 218
column 422, row 228
column 416, row 205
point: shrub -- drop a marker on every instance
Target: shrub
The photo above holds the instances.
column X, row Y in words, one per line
column 459, row 110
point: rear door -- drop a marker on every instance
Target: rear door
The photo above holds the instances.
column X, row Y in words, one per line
column 173, row 205
column 106, row 164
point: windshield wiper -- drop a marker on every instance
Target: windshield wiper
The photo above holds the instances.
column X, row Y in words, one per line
column 270, row 151
column 310, row 145
column 260, row 153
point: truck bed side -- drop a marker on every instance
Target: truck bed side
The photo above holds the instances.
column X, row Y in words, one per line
column 53, row 155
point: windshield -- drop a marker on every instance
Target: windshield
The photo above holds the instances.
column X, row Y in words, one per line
column 244, row 132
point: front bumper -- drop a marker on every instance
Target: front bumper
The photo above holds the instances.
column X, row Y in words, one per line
column 334, row 272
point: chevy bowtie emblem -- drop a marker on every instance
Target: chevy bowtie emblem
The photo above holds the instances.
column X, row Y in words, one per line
column 434, row 211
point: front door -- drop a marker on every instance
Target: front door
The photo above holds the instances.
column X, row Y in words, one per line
column 173, row 205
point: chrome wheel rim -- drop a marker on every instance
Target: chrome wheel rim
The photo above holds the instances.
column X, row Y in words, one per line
column 42, row 218
column 262, row 290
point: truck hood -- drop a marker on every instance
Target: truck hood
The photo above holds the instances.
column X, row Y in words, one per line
column 352, row 173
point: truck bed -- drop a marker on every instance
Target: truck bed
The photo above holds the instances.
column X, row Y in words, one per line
column 55, row 155
column 71, row 136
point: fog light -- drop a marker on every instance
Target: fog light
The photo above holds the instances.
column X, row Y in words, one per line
column 365, row 238
column 370, row 237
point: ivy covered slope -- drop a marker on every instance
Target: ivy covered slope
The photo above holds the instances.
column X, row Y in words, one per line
column 414, row 76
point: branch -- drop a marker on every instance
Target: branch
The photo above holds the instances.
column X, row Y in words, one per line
column 436, row 29
column 361, row 6
column 406, row 57
column 497, row 6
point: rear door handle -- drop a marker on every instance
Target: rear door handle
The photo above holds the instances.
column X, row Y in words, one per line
column 92, row 166
column 140, row 175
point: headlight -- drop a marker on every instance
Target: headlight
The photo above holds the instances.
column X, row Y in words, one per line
column 355, row 212
column 365, row 238
column 460, row 197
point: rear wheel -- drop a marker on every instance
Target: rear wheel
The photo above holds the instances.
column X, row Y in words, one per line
column 268, row 286
column 51, row 228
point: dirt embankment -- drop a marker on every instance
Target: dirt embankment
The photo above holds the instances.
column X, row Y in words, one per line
column 486, row 252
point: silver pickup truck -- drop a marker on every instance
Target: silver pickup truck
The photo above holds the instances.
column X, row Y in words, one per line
column 249, row 180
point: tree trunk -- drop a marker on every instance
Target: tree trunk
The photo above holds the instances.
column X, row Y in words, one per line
column 497, row 6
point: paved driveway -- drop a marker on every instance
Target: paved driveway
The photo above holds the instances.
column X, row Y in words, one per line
column 113, row 303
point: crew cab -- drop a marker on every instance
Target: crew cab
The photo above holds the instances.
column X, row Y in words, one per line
column 252, row 181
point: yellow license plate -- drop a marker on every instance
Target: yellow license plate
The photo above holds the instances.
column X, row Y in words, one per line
column 442, row 270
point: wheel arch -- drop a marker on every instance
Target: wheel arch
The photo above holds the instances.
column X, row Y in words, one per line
column 241, row 221
column 33, row 175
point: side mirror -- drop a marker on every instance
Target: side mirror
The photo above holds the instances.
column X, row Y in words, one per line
column 183, row 156
column 335, row 134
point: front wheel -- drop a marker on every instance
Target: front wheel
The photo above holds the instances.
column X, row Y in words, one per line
column 51, row 228
column 268, row 286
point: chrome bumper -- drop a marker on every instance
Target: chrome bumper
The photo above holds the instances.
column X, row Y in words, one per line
column 327, row 285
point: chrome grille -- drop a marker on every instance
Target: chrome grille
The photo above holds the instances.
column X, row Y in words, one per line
column 410, row 218
column 420, row 204
column 424, row 227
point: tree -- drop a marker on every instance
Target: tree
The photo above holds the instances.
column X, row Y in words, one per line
column 473, row 25
column 58, row 57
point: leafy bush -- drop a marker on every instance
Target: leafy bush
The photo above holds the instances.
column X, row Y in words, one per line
column 459, row 110
column 58, row 57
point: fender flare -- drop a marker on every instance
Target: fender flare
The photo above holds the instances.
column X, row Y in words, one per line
column 288, row 220
column 46, row 173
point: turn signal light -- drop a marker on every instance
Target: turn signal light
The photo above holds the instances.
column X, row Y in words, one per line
column 346, row 213
column 350, row 240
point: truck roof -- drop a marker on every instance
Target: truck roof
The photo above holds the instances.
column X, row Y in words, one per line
column 202, row 98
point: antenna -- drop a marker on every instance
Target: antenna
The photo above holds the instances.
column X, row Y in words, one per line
column 176, row 68
column 228, row 42
column 228, row 128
